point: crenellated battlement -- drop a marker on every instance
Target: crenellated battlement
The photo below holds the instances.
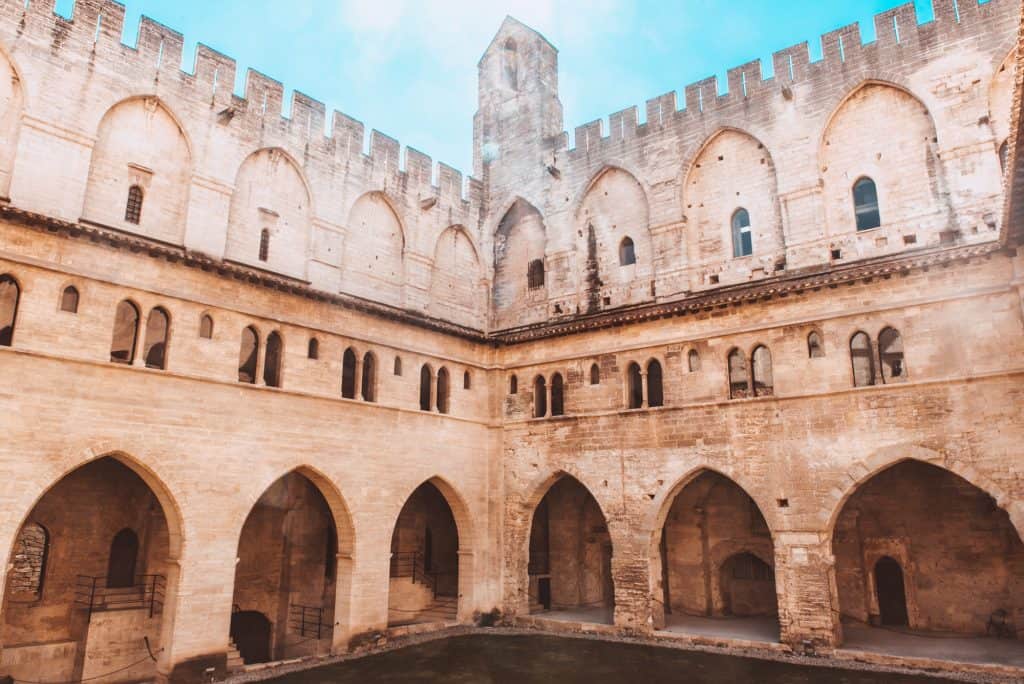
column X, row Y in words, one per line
column 900, row 41
column 94, row 33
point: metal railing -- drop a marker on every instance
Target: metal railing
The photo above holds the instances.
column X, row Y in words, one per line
column 306, row 621
column 145, row 593
column 412, row 564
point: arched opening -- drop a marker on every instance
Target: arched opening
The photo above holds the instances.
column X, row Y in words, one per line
column 634, row 386
column 69, row 299
column 397, row 370
column 273, row 359
column 369, row 383
column 348, row 374
column 9, row 295
column 513, row 385
column 248, row 355
column 595, row 374
column 88, row 582
column 655, row 390
column 456, row 279
column 627, row 252
column 520, row 241
column 815, row 347
column 157, row 333
column 206, row 327
column 373, row 263
column 467, row 380
column 919, row 549
column 742, row 237
column 865, row 204
column 426, row 380
column 126, row 332
column 739, row 382
column 133, row 207
column 693, row 360
column 286, row 575
column 763, row 377
column 714, row 563
column 313, row 349
column 424, row 585
column 890, row 356
column 557, row 395
column 510, row 65
column 862, row 360
column 443, row 390
column 124, row 554
column 570, row 561
column 540, row 397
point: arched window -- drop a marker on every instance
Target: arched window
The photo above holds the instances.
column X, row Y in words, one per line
column 467, row 380
column 636, row 386
column 133, row 208
column 248, row 355
column 206, row 327
column 443, row 390
column 513, row 385
column 348, row 374
column 862, row 359
column 890, row 355
column 815, row 349
column 28, row 564
column 655, row 391
column 124, row 553
column 595, row 374
column 510, row 65
column 398, row 366
column 157, row 330
column 865, row 204
column 264, row 244
column 540, row 397
column 1004, row 155
column 739, row 383
column 272, row 360
column 426, row 377
column 9, row 294
column 627, row 252
column 369, row 385
column 764, row 382
column 742, row 239
column 69, row 299
column 693, row 360
column 313, row 350
column 535, row 274
column 557, row 395
column 126, row 332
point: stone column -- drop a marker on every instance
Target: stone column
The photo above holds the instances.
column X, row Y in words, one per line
column 643, row 388
column 805, row 581
column 467, row 581
column 547, row 387
column 261, row 359
column 342, row 603
column 358, row 372
column 432, row 404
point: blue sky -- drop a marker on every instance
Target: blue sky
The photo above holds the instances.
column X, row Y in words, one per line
column 408, row 68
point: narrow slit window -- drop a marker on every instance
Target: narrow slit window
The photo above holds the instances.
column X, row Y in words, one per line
column 513, row 385
column 348, row 375
column 369, row 384
column 595, row 374
column 248, row 356
column 764, row 380
column 426, row 376
column 9, row 295
column 540, row 397
column 742, row 238
column 313, row 350
column 157, row 330
column 264, row 245
column 739, row 382
column 467, row 380
column 126, row 333
column 69, row 299
column 443, row 390
column 557, row 395
column 636, row 386
column 655, row 390
column 133, row 208
column 865, row 204
column 627, row 252
column 862, row 360
column 272, row 362
column 398, row 366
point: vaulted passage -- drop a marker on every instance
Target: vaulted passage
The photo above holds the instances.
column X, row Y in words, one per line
column 919, row 549
column 424, row 584
column 570, row 567
column 715, row 563
column 87, row 583
column 287, row 574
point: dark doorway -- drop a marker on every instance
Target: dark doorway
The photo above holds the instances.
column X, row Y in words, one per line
column 250, row 630
column 124, row 551
column 428, row 551
column 544, row 592
column 892, row 596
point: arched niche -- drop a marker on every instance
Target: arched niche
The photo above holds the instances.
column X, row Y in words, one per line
column 900, row 157
column 733, row 171
column 613, row 209
column 520, row 240
column 140, row 150
column 12, row 101
column 455, row 280
column 374, row 251
column 270, row 195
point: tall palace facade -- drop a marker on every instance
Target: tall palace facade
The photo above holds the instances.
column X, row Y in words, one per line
column 751, row 359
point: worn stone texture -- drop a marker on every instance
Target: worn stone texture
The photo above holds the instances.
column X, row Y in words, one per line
column 255, row 220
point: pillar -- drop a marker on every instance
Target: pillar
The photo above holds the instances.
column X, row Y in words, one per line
column 805, row 581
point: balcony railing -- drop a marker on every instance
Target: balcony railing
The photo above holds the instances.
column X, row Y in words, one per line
column 145, row 593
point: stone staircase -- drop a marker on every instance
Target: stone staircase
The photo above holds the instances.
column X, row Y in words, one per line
column 235, row 662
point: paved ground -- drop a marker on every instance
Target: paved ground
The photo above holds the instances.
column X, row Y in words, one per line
column 600, row 616
column 937, row 646
column 747, row 629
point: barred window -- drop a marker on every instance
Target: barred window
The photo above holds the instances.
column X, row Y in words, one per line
column 264, row 245
column 535, row 274
column 133, row 208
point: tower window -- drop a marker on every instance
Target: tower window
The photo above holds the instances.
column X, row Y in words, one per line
column 313, row 351
column 742, row 239
column 133, row 208
column 126, row 332
column 69, row 299
column 535, row 274
column 627, row 252
column 264, row 245
column 206, row 327
column 865, row 204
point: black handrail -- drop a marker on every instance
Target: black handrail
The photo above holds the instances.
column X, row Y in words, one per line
column 145, row 592
column 412, row 564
